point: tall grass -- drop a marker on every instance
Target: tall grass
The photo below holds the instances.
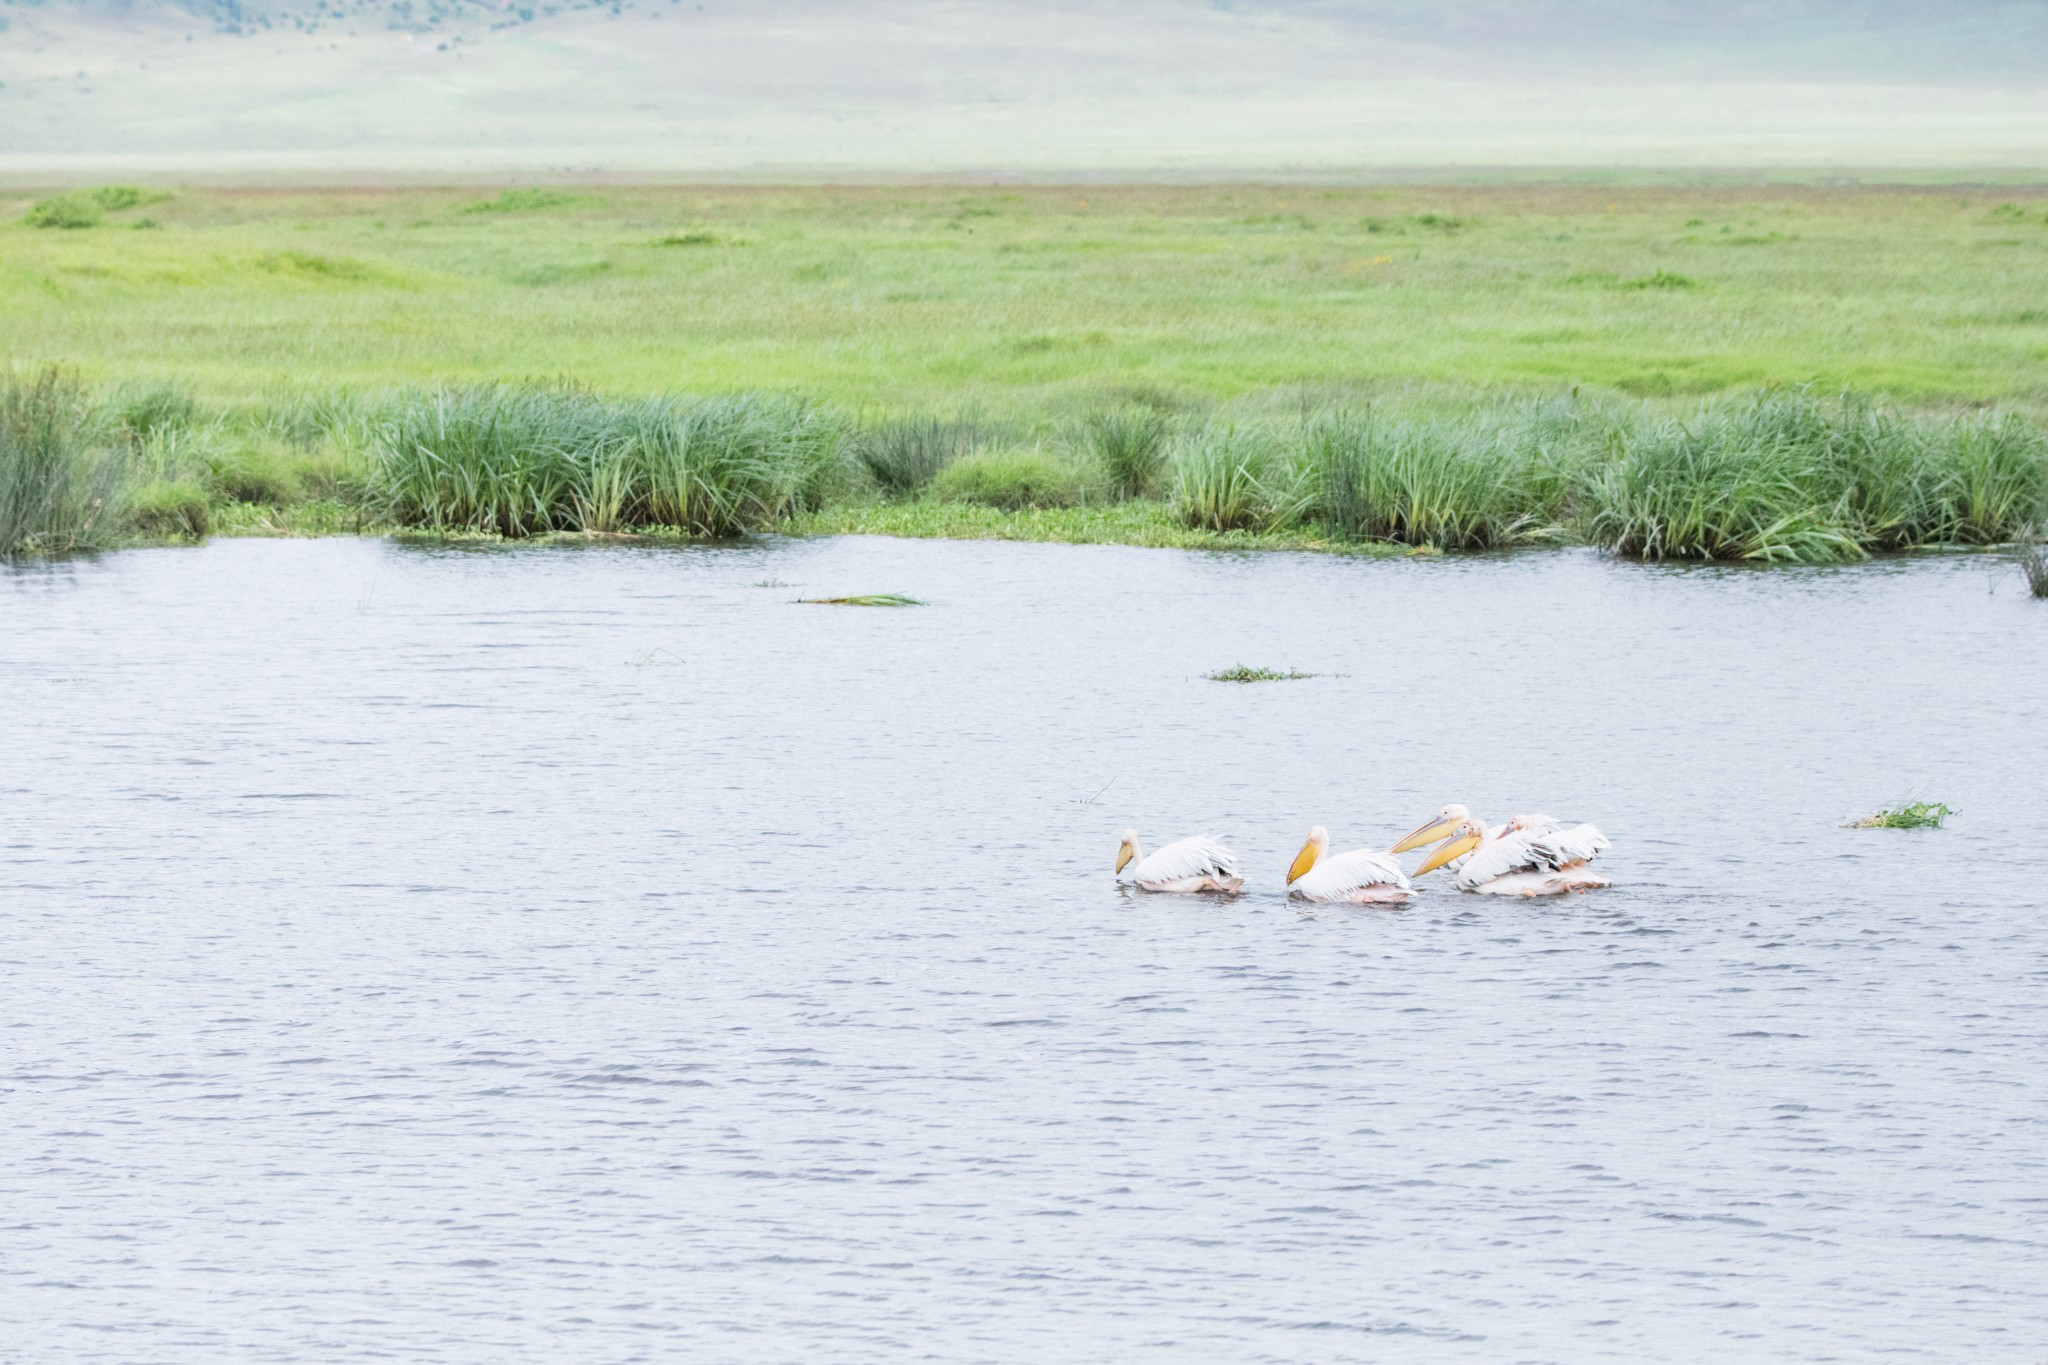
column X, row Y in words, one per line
column 1785, row 477
column 519, row 461
column 1455, row 486
column 59, row 480
column 2033, row 560
column 1242, row 477
column 1130, row 445
column 904, row 454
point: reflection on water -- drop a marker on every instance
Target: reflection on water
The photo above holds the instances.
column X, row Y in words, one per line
column 589, row 955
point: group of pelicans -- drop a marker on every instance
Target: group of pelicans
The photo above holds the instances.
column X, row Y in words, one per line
column 1530, row 855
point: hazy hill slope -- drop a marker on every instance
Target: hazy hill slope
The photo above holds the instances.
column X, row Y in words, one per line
column 834, row 86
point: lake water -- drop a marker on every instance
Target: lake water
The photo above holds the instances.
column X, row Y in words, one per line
column 565, row 954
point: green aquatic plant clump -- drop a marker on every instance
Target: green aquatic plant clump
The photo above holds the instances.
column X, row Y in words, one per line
column 1243, row 673
column 1914, row 815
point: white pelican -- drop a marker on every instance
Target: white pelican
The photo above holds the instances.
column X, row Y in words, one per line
column 1364, row 876
column 1197, row 864
column 1539, row 860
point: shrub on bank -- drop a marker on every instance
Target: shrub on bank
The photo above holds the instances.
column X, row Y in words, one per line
column 1012, row 480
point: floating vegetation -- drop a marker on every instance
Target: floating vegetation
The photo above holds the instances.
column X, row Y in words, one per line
column 1914, row 815
column 877, row 599
column 1244, row 673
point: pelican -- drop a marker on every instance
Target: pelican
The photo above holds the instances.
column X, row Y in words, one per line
column 1363, row 876
column 1530, row 856
column 1197, row 864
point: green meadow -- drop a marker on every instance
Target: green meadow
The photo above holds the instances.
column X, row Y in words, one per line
column 1777, row 372
column 1021, row 300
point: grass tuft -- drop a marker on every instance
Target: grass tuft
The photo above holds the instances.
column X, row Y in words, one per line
column 524, row 201
column 904, row 454
column 1229, row 477
column 1914, row 815
column 59, row 482
column 1011, row 480
column 2033, row 560
column 1129, row 444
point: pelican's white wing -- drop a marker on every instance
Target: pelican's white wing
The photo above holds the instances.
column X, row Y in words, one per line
column 1529, row 852
column 1344, row 873
column 1579, row 844
column 1496, row 858
column 1200, row 856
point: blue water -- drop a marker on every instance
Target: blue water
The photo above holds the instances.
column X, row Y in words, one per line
column 567, row 954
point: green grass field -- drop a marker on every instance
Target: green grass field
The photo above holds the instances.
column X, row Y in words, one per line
column 1024, row 301
column 1770, row 373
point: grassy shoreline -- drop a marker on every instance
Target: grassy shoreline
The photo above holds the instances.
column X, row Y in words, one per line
column 1770, row 476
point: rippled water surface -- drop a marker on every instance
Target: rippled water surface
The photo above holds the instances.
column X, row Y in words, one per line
column 594, row 955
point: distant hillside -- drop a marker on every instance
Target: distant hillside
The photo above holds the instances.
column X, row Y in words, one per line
column 770, row 87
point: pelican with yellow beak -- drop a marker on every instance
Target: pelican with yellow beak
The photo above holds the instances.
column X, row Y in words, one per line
column 1364, row 876
column 1529, row 856
column 1197, row 864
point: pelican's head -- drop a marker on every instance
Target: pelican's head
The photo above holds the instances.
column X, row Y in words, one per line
column 1311, row 853
column 1522, row 824
column 1128, row 851
column 1464, row 838
column 1435, row 827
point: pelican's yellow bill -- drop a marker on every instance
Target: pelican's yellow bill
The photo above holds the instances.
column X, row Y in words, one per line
column 1303, row 861
column 1418, row 837
column 1123, row 857
column 1447, row 850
